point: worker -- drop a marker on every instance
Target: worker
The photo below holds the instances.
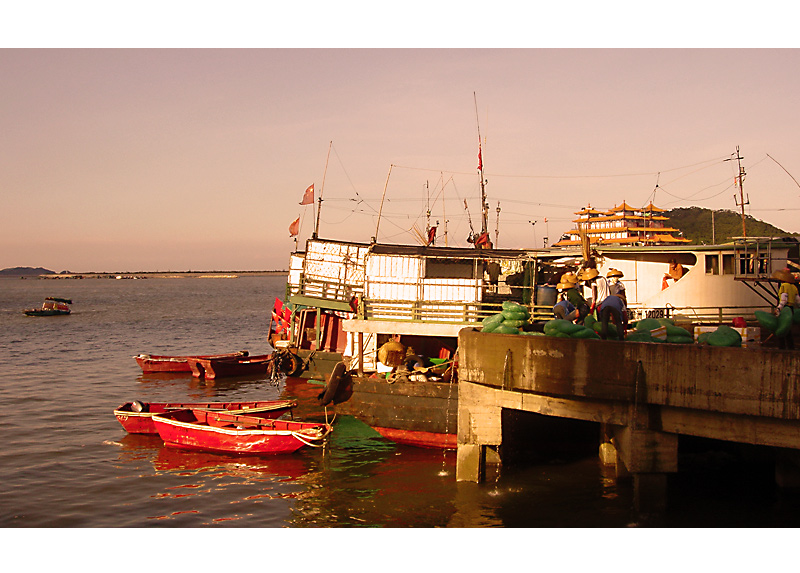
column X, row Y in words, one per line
column 615, row 285
column 787, row 296
column 597, row 284
column 613, row 307
column 675, row 272
column 574, row 296
column 564, row 309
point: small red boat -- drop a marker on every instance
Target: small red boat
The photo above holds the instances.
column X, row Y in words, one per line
column 216, row 367
column 225, row 432
column 157, row 363
column 137, row 417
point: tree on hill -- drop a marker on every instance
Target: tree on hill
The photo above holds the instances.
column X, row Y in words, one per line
column 696, row 225
column 25, row 272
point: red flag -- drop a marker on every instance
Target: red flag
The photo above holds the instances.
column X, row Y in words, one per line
column 480, row 160
column 308, row 196
column 431, row 235
column 294, row 228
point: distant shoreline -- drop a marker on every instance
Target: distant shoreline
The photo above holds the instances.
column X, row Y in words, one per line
column 148, row 275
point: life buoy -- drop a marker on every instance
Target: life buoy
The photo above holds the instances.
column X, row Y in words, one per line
column 338, row 376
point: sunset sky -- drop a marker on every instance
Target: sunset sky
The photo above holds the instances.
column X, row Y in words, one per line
column 197, row 159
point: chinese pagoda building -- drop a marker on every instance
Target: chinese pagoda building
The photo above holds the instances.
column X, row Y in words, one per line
column 623, row 225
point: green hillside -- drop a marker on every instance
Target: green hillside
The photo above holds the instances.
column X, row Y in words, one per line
column 695, row 223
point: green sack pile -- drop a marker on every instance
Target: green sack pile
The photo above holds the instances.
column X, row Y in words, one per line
column 561, row 328
column 596, row 325
column 722, row 336
column 508, row 321
column 779, row 325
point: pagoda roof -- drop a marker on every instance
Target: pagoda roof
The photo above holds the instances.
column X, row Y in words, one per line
column 589, row 211
column 623, row 207
column 653, row 208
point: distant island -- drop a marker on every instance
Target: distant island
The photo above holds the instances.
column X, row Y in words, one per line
column 25, row 272
column 42, row 273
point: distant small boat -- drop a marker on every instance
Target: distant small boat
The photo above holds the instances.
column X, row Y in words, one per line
column 211, row 368
column 215, row 431
column 137, row 417
column 159, row 363
column 52, row 306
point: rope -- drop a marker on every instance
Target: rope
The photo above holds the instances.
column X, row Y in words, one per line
column 302, row 438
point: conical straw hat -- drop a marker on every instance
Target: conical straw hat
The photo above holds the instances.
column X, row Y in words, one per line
column 612, row 272
column 784, row 276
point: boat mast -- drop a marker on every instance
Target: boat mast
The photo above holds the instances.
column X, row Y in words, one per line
column 380, row 211
column 484, row 204
column 319, row 208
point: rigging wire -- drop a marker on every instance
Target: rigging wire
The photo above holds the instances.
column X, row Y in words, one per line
column 602, row 176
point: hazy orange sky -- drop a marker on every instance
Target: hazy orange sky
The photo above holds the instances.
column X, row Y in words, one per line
column 148, row 159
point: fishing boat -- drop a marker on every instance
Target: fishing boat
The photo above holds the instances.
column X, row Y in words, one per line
column 150, row 363
column 52, row 306
column 222, row 432
column 228, row 366
column 136, row 417
column 370, row 318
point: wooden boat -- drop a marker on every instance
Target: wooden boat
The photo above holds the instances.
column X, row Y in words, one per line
column 157, row 363
column 225, row 432
column 136, row 417
column 215, row 367
column 52, row 306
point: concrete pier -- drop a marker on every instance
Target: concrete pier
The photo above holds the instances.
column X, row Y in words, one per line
column 643, row 396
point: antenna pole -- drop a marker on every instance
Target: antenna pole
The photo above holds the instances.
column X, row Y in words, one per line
column 319, row 208
column 484, row 204
column 497, row 227
column 740, row 180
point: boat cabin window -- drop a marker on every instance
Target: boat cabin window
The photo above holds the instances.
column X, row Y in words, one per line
column 727, row 264
column 712, row 264
column 452, row 269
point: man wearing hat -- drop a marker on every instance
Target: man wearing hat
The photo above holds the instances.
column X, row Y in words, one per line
column 787, row 296
column 570, row 282
column 564, row 309
column 615, row 285
column 597, row 284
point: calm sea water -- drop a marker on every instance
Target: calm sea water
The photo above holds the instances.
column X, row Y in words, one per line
column 65, row 461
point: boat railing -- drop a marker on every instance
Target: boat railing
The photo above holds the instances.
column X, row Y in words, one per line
column 436, row 312
column 327, row 290
column 705, row 314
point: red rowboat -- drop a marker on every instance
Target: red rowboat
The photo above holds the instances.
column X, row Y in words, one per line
column 215, row 367
column 216, row 431
column 156, row 363
column 136, row 417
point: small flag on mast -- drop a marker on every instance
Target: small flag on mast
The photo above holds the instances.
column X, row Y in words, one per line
column 294, row 228
column 308, row 196
column 480, row 160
